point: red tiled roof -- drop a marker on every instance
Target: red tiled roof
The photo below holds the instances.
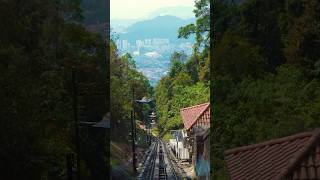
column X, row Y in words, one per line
column 292, row 157
column 191, row 115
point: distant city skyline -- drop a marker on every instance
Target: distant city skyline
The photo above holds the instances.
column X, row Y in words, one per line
column 151, row 51
column 140, row 9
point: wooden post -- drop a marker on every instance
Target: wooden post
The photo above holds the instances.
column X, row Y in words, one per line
column 133, row 134
column 75, row 115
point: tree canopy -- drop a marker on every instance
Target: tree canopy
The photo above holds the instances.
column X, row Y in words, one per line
column 187, row 82
column 264, row 73
column 41, row 41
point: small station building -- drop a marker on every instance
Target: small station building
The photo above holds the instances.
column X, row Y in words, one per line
column 196, row 120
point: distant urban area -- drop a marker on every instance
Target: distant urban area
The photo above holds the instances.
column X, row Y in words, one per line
column 152, row 51
column 152, row 56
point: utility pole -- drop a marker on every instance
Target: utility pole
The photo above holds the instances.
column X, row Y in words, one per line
column 133, row 134
column 133, row 109
column 75, row 115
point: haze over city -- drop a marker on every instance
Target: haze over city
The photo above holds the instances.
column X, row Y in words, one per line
column 137, row 26
column 142, row 8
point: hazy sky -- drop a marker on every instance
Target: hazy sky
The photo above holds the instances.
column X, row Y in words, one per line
column 132, row 9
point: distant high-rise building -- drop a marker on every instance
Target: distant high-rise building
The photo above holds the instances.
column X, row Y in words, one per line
column 139, row 43
column 159, row 41
column 119, row 45
column 147, row 42
column 125, row 45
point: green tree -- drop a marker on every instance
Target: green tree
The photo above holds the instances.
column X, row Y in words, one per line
column 40, row 42
column 264, row 73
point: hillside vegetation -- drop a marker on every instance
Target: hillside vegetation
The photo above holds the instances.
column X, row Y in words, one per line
column 41, row 42
column 265, row 73
column 124, row 78
column 187, row 82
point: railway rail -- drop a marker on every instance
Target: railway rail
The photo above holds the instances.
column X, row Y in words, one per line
column 158, row 164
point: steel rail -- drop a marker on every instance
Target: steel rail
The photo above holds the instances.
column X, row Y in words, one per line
column 149, row 165
column 159, row 151
column 171, row 164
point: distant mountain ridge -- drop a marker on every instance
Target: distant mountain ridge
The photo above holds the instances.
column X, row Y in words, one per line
column 185, row 12
column 159, row 27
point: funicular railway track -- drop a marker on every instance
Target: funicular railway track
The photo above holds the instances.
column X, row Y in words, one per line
column 173, row 164
column 162, row 165
column 148, row 168
column 158, row 164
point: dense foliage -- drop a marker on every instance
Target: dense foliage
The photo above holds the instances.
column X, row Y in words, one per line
column 125, row 78
column 187, row 82
column 95, row 11
column 265, row 73
column 126, row 84
column 41, row 41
